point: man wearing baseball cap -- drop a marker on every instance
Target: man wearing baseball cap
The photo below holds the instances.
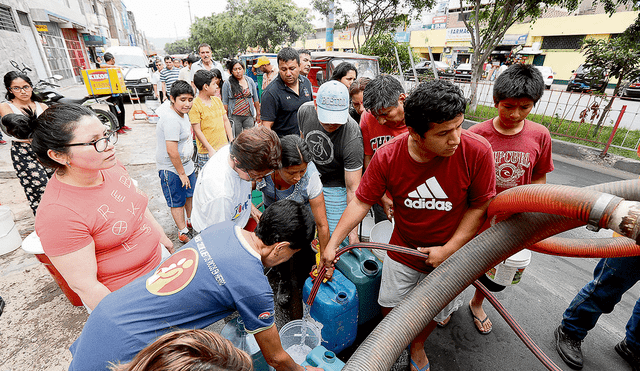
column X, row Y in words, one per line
column 268, row 73
column 336, row 146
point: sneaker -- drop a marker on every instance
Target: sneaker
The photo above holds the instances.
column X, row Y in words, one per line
column 185, row 237
column 189, row 225
column 121, row 131
column 2, row 141
column 623, row 350
column 126, row 128
column 568, row 348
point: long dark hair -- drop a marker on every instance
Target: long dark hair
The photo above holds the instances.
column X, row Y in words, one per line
column 235, row 85
column 342, row 70
column 52, row 130
column 295, row 151
column 12, row 75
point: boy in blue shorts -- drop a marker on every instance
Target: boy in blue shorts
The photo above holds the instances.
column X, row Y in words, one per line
column 174, row 152
column 521, row 149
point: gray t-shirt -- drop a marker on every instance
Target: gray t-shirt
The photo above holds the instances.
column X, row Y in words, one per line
column 172, row 127
column 333, row 153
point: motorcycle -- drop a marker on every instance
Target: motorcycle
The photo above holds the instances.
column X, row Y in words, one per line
column 49, row 94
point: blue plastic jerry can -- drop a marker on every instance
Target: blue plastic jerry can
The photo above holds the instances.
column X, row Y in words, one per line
column 362, row 268
column 235, row 332
column 324, row 359
column 336, row 309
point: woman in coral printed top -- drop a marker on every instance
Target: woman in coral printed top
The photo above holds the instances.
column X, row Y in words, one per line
column 93, row 222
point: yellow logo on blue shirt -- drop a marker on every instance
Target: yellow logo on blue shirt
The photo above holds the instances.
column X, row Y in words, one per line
column 175, row 273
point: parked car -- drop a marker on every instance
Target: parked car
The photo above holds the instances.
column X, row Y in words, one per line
column 631, row 90
column 324, row 63
column 547, row 75
column 463, row 72
column 588, row 79
column 424, row 68
column 135, row 68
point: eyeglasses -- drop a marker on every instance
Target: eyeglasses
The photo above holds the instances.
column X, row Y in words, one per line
column 25, row 88
column 100, row 144
column 255, row 175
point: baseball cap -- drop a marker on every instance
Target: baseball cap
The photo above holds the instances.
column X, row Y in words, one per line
column 262, row 61
column 332, row 101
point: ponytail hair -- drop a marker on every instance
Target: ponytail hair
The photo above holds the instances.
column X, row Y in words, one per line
column 52, row 130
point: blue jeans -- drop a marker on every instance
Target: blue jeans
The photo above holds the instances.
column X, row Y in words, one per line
column 611, row 278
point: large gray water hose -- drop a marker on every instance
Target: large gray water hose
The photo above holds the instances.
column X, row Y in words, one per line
column 385, row 343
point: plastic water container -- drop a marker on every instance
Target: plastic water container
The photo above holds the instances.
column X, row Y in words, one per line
column 9, row 235
column 32, row 245
column 510, row 271
column 235, row 332
column 362, row 268
column 381, row 233
column 335, row 308
column 291, row 338
column 324, row 359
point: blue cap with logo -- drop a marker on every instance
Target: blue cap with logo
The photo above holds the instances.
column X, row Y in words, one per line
column 333, row 103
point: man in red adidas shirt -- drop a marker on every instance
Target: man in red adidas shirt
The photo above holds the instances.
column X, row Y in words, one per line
column 440, row 178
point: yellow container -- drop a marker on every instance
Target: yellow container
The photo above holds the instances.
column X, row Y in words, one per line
column 104, row 81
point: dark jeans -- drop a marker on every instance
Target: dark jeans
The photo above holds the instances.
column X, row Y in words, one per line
column 161, row 96
column 611, row 279
column 117, row 100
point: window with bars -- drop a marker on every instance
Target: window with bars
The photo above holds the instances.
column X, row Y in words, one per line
column 7, row 22
column 570, row 42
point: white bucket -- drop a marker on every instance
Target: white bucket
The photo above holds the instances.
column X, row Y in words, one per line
column 365, row 227
column 9, row 236
column 381, row 233
column 510, row 271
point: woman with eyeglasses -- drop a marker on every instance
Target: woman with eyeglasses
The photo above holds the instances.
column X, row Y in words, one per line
column 223, row 189
column 21, row 100
column 93, row 222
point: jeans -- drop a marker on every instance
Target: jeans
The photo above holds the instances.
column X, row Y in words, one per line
column 612, row 277
column 241, row 123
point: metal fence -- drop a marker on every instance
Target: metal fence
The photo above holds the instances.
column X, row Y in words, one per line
column 573, row 116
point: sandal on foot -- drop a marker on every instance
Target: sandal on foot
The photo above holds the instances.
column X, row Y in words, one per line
column 425, row 368
column 482, row 322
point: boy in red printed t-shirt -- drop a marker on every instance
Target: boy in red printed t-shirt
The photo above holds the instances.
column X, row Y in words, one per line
column 440, row 179
column 521, row 148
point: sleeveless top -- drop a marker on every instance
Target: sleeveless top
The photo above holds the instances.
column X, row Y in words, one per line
column 17, row 110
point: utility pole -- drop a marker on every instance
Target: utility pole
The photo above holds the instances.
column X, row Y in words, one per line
column 189, row 6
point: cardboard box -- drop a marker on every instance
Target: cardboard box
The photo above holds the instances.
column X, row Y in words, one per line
column 104, row 81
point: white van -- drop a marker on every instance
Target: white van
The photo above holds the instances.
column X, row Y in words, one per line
column 135, row 68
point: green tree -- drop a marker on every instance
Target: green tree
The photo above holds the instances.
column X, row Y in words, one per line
column 178, row 47
column 619, row 57
column 374, row 16
column 269, row 24
column 382, row 45
column 223, row 31
column 488, row 22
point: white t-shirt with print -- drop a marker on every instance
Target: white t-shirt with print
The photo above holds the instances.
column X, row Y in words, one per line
column 220, row 194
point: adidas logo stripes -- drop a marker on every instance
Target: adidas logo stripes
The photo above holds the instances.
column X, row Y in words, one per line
column 428, row 196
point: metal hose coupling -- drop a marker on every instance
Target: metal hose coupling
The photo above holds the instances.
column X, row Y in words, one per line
column 624, row 220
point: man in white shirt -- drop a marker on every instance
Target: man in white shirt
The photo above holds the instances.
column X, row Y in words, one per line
column 205, row 62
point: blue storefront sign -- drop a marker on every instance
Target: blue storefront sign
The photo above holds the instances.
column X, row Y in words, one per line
column 402, row 37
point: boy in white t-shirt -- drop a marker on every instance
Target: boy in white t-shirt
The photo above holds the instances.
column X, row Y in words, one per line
column 174, row 151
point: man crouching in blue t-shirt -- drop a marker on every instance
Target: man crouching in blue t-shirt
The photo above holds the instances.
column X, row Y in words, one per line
column 216, row 273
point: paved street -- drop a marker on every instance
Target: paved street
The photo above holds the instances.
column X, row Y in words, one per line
column 39, row 324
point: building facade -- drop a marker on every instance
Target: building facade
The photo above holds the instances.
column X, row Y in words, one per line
column 62, row 37
column 552, row 40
